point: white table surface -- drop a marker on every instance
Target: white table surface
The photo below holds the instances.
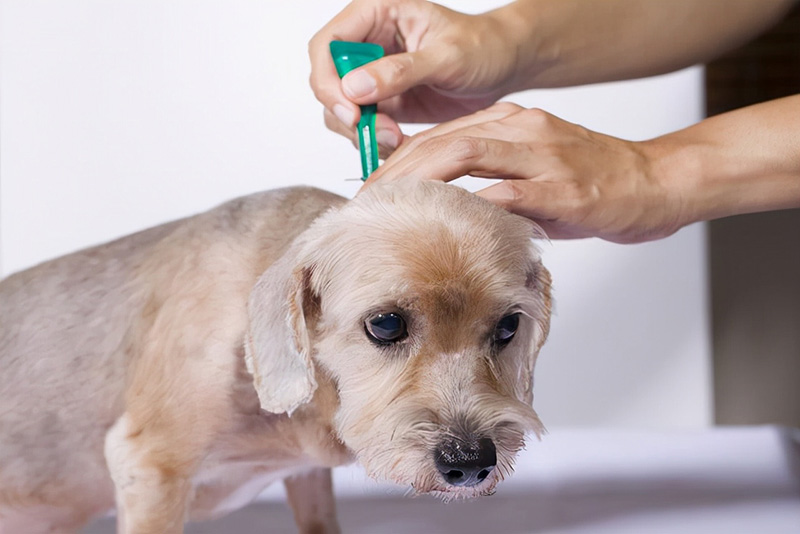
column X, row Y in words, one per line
column 723, row 480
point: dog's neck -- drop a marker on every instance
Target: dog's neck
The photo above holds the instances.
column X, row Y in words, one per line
column 314, row 423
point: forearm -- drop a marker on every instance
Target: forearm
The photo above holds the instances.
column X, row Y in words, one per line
column 572, row 42
column 744, row 161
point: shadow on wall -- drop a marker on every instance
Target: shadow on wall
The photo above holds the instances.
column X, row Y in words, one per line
column 623, row 329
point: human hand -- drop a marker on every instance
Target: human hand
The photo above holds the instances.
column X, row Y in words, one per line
column 571, row 181
column 440, row 65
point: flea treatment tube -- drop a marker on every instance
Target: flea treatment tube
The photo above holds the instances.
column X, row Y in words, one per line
column 348, row 56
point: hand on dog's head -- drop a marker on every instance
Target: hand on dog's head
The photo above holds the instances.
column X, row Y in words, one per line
column 426, row 306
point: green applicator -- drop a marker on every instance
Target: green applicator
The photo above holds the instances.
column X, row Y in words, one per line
column 348, row 56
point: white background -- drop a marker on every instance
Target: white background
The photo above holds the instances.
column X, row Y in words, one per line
column 118, row 115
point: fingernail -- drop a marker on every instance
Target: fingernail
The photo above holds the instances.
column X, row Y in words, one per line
column 387, row 138
column 358, row 83
column 497, row 194
column 344, row 114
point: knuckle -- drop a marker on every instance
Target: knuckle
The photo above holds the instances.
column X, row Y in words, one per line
column 508, row 108
column 583, row 198
column 538, row 117
column 512, row 194
column 318, row 44
column 322, row 89
column 455, row 52
column 319, row 92
column 465, row 149
column 574, row 188
column 312, row 81
column 558, row 159
column 333, row 124
column 398, row 69
column 313, row 43
column 330, row 120
column 416, row 141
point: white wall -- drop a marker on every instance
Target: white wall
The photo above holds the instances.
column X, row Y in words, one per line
column 118, row 115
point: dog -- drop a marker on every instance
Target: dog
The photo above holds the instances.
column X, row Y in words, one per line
column 176, row 372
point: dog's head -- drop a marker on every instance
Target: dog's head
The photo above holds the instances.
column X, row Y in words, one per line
column 426, row 306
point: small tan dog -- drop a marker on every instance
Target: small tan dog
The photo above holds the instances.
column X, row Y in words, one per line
column 178, row 371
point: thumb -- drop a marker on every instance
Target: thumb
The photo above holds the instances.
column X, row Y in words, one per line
column 390, row 76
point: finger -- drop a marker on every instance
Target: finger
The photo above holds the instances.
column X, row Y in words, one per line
column 410, row 146
column 454, row 139
column 388, row 134
column 327, row 89
column 543, row 202
column 534, row 200
column 495, row 112
column 447, row 158
column 337, row 126
column 351, row 24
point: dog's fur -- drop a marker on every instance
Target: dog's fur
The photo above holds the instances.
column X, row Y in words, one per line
column 178, row 371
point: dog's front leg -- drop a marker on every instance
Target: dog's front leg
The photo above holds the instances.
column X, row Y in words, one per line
column 311, row 498
column 151, row 490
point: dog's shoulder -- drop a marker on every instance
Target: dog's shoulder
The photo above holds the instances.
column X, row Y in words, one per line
column 297, row 206
column 288, row 198
column 277, row 209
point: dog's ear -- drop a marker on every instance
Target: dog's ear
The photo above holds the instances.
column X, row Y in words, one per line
column 281, row 310
column 539, row 309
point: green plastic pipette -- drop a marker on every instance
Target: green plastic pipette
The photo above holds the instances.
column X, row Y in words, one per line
column 348, row 56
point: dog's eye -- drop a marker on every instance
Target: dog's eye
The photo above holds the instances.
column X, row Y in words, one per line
column 386, row 328
column 506, row 328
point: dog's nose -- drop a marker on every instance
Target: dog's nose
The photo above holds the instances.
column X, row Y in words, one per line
column 465, row 464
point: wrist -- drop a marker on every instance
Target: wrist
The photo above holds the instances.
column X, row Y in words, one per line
column 711, row 174
column 675, row 167
column 518, row 28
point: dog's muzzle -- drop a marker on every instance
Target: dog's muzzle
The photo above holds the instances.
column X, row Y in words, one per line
column 463, row 463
